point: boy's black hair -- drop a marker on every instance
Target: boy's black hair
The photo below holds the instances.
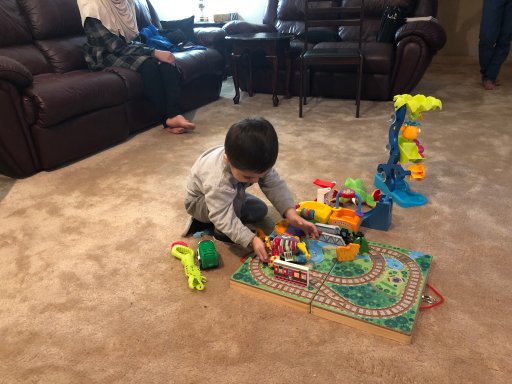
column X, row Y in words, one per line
column 252, row 145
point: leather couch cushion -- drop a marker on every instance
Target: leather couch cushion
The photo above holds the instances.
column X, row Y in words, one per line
column 13, row 27
column 290, row 10
column 57, row 97
column 65, row 54
column 196, row 63
column 132, row 81
column 29, row 56
column 378, row 57
column 52, row 18
column 375, row 8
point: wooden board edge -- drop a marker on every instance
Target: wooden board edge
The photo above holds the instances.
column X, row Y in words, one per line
column 269, row 296
column 362, row 325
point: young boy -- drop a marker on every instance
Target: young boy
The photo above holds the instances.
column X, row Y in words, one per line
column 218, row 179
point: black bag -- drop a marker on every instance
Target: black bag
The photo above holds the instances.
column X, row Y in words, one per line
column 392, row 19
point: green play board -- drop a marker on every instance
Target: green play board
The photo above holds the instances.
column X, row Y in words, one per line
column 379, row 291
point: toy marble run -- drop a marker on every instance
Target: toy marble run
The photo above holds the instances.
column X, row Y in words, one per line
column 404, row 147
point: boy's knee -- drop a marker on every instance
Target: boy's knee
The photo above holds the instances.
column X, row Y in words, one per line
column 254, row 210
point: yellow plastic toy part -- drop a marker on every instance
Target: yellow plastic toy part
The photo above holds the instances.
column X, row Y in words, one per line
column 302, row 247
column 408, row 151
column 192, row 271
column 322, row 211
column 417, row 104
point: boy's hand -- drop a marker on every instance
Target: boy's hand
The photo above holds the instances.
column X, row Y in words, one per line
column 295, row 220
column 259, row 248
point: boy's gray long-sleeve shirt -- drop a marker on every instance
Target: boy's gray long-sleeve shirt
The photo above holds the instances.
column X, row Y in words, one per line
column 211, row 179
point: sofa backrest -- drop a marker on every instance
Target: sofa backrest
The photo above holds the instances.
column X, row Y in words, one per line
column 287, row 15
column 57, row 31
column 16, row 40
column 47, row 35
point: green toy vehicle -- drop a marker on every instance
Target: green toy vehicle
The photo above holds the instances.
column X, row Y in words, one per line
column 207, row 254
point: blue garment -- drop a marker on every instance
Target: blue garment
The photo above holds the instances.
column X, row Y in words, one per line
column 155, row 40
column 495, row 37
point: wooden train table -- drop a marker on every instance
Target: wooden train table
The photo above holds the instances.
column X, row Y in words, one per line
column 379, row 291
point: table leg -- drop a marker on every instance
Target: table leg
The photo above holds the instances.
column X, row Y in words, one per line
column 250, row 88
column 236, row 83
column 288, row 75
column 275, row 71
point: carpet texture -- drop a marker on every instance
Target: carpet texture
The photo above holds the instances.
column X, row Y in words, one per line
column 89, row 293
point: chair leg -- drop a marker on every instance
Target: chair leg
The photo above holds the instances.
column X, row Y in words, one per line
column 359, row 86
column 301, row 87
column 307, row 76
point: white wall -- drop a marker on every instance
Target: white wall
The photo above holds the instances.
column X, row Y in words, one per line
column 249, row 10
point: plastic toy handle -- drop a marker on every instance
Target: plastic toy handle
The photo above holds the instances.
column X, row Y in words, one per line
column 183, row 253
column 324, row 183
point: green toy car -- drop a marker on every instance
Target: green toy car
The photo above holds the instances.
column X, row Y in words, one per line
column 207, row 254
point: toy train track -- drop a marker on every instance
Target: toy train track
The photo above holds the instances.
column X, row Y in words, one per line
column 329, row 297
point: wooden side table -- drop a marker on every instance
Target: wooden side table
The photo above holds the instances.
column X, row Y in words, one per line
column 274, row 45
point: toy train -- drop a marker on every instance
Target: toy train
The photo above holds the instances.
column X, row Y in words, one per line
column 292, row 273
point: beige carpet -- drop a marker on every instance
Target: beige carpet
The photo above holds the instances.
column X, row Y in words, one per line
column 89, row 294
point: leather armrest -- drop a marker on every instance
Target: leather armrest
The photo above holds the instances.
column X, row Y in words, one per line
column 15, row 72
column 209, row 36
column 430, row 31
column 236, row 27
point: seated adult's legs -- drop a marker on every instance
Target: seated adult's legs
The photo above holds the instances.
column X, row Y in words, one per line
column 161, row 86
column 175, row 122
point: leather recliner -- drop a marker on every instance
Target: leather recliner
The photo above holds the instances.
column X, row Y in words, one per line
column 389, row 68
column 55, row 110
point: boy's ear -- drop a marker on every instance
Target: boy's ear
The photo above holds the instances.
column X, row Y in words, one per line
column 226, row 160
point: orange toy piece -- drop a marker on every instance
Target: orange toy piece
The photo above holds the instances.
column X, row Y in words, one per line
column 346, row 218
column 281, row 226
column 410, row 132
column 347, row 252
column 417, row 171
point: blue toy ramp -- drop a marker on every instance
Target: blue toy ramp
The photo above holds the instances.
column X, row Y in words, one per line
column 401, row 195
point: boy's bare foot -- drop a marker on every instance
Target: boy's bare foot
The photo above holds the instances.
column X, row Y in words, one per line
column 178, row 124
column 497, row 83
column 489, row 85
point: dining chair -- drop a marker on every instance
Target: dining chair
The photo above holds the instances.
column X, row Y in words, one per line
column 321, row 15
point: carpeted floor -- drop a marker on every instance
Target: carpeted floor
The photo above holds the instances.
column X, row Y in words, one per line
column 89, row 293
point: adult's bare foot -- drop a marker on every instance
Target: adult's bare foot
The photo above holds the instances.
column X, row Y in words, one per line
column 179, row 121
column 176, row 130
column 488, row 85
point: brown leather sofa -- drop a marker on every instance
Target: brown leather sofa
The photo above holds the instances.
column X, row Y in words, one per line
column 389, row 68
column 54, row 110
